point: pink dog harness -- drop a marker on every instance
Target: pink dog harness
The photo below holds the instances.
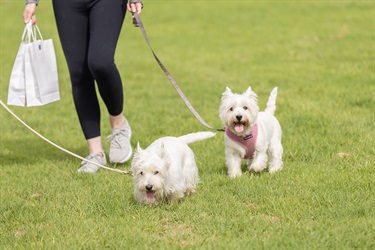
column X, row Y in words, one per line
column 248, row 142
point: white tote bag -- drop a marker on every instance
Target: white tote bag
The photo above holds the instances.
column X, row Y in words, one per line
column 39, row 69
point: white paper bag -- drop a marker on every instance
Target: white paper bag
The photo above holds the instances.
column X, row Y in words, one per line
column 17, row 91
column 39, row 70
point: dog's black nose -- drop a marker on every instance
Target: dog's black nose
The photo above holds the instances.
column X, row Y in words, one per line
column 149, row 187
column 239, row 117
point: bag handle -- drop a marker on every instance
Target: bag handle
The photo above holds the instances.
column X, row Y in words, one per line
column 27, row 34
column 35, row 30
column 30, row 33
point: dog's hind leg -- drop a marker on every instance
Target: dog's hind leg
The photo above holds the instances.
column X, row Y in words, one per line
column 276, row 152
column 191, row 177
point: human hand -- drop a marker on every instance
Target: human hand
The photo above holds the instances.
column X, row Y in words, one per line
column 135, row 6
column 28, row 13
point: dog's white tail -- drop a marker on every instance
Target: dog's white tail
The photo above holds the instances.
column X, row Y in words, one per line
column 194, row 137
column 271, row 104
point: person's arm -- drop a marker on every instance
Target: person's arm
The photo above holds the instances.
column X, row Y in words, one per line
column 28, row 13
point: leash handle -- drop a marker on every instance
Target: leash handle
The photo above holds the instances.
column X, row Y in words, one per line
column 137, row 22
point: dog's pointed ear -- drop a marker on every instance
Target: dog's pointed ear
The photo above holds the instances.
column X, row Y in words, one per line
column 161, row 151
column 227, row 92
column 163, row 156
column 136, row 157
column 139, row 149
column 249, row 93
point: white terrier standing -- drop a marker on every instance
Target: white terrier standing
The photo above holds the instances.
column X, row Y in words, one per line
column 250, row 134
column 166, row 170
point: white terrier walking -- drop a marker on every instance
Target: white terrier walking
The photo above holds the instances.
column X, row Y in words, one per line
column 250, row 134
column 166, row 170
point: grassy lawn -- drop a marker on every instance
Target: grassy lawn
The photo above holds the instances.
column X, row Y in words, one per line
column 321, row 56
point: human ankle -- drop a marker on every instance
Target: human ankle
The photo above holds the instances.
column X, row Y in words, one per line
column 95, row 145
column 117, row 121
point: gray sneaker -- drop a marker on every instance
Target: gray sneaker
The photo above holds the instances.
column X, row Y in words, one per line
column 88, row 167
column 120, row 150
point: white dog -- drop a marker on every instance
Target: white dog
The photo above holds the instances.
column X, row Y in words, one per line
column 250, row 134
column 166, row 170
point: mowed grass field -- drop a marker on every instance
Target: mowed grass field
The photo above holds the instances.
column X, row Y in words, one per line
column 321, row 56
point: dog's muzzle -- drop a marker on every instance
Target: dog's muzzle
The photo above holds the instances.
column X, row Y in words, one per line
column 149, row 187
column 150, row 193
column 239, row 125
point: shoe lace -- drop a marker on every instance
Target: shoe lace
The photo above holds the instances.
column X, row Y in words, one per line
column 118, row 136
column 90, row 157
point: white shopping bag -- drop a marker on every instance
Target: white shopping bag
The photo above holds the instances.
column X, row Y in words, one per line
column 39, row 71
column 17, row 91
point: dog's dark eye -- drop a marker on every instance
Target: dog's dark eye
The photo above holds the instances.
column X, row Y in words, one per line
column 156, row 172
column 245, row 108
column 231, row 109
column 141, row 173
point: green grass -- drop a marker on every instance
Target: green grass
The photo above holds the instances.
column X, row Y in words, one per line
column 321, row 56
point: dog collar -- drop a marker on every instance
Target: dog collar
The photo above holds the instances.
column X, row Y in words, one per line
column 248, row 141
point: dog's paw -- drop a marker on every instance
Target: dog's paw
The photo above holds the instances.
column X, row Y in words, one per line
column 274, row 169
column 256, row 168
column 233, row 175
column 189, row 191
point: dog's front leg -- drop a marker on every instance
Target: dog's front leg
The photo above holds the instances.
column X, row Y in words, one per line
column 233, row 162
column 259, row 163
column 174, row 197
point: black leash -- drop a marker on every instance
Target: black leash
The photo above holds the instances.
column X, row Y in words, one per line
column 137, row 22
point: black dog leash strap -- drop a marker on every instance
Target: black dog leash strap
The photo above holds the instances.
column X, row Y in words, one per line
column 138, row 23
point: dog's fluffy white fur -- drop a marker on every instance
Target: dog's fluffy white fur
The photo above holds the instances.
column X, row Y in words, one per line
column 166, row 170
column 240, row 113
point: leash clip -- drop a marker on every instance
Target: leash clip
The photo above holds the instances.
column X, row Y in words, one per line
column 221, row 129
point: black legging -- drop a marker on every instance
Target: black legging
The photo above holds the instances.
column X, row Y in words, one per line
column 89, row 31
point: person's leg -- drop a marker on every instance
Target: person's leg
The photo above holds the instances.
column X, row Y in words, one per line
column 106, row 19
column 72, row 19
